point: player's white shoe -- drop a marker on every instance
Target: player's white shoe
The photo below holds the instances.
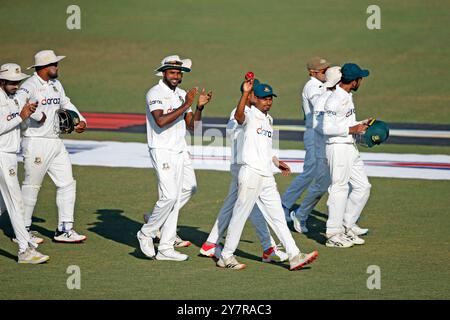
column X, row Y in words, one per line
column 359, row 231
column 172, row 255
column 287, row 214
column 211, row 250
column 230, row 263
column 338, row 240
column 353, row 237
column 70, row 236
column 146, row 244
column 299, row 225
column 180, row 243
column 273, row 254
column 302, row 259
column 32, row 256
column 33, row 238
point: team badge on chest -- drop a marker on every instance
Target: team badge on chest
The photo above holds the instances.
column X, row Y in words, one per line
column 12, row 172
column 165, row 166
column 37, row 160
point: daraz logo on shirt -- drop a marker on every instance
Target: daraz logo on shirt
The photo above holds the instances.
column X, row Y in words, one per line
column 12, row 116
column 350, row 112
column 47, row 101
column 264, row 132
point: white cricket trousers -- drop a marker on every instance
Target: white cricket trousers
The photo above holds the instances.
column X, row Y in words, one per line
column 316, row 190
column 254, row 188
column 48, row 155
column 224, row 217
column 303, row 180
column 176, row 185
column 12, row 197
column 346, row 168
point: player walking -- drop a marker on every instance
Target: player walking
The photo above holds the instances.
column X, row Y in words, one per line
column 256, row 181
column 346, row 166
column 168, row 114
column 312, row 90
column 211, row 248
column 322, row 178
column 43, row 150
column 11, row 117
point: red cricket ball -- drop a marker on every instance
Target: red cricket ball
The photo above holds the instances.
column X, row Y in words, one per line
column 249, row 75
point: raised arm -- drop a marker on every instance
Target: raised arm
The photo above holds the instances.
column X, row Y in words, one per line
column 240, row 109
column 190, row 118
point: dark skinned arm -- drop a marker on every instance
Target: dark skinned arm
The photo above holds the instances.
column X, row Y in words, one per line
column 163, row 120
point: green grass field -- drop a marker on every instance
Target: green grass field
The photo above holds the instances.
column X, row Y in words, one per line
column 109, row 68
column 408, row 241
column 110, row 61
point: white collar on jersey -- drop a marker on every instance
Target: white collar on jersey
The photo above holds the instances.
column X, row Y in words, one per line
column 259, row 114
column 42, row 81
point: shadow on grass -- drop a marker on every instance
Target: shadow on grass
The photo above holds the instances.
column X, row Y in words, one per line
column 115, row 226
column 317, row 223
column 198, row 237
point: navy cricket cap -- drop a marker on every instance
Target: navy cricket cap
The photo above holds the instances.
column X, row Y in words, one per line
column 263, row 90
column 255, row 83
column 351, row 71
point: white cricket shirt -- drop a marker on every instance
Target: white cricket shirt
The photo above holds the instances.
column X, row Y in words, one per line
column 311, row 91
column 236, row 134
column 9, row 123
column 339, row 116
column 51, row 97
column 319, row 137
column 257, row 150
column 172, row 137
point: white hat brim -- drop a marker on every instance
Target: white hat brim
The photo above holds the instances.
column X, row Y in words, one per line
column 331, row 84
column 186, row 65
column 58, row 58
column 18, row 77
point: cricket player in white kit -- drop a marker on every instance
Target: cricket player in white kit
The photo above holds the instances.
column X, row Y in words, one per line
column 211, row 247
column 346, row 165
column 11, row 118
column 43, row 149
column 312, row 90
column 256, row 181
column 322, row 178
column 168, row 114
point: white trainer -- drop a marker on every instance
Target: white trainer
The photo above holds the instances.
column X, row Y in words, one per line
column 33, row 238
column 211, row 250
column 299, row 225
column 172, row 255
column 338, row 240
column 273, row 254
column 69, row 236
column 146, row 244
column 180, row 243
column 32, row 256
column 302, row 259
column 230, row 263
column 359, row 231
column 287, row 214
column 353, row 237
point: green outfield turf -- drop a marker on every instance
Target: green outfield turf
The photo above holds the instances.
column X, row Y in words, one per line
column 408, row 241
column 110, row 61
